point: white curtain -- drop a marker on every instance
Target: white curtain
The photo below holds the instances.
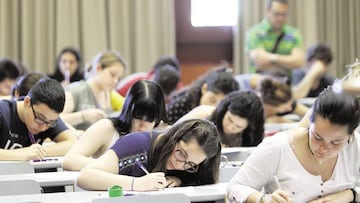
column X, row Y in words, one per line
column 34, row 31
column 330, row 21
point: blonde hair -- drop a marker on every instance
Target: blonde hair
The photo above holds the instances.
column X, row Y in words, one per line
column 105, row 59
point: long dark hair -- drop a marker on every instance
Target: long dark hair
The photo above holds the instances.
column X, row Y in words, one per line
column 78, row 74
column 145, row 100
column 247, row 105
column 218, row 80
column 207, row 136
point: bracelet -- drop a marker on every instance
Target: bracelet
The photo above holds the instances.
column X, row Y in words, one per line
column 354, row 195
column 132, row 184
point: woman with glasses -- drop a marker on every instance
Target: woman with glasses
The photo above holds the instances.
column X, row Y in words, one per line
column 144, row 109
column 187, row 153
column 315, row 164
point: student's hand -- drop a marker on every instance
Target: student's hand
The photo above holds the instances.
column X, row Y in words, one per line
column 152, row 181
column 343, row 196
column 93, row 115
column 280, row 196
column 35, row 151
column 172, row 181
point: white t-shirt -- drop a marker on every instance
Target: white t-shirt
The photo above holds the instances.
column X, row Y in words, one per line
column 275, row 156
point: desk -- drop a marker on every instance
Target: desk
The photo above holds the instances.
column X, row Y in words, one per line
column 272, row 128
column 309, row 101
column 237, row 153
column 214, row 192
column 47, row 179
column 48, row 163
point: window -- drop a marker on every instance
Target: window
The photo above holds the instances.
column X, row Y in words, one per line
column 214, row 13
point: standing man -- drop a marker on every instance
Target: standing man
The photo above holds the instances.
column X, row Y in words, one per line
column 24, row 125
column 273, row 46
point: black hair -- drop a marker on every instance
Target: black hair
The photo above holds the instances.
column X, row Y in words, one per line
column 274, row 91
column 78, row 74
column 49, row 92
column 25, row 83
column 167, row 60
column 247, row 105
column 208, row 138
column 8, row 69
column 320, row 52
column 167, row 77
column 146, row 101
column 338, row 108
column 218, row 80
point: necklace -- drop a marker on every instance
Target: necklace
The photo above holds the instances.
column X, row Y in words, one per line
column 313, row 159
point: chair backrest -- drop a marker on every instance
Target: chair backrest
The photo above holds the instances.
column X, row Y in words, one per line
column 19, row 187
column 163, row 198
column 7, row 168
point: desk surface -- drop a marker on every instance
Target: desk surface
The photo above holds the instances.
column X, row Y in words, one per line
column 198, row 193
column 46, row 179
column 48, row 162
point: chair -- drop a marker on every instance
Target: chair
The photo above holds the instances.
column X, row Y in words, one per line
column 19, row 187
column 7, row 168
column 163, row 198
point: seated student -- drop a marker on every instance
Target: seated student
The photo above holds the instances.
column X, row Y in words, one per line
column 24, row 84
column 144, row 109
column 9, row 72
column 209, row 89
column 68, row 66
column 311, row 80
column 307, row 164
column 25, row 124
column 186, row 154
column 239, row 118
column 90, row 100
column 165, row 72
column 275, row 93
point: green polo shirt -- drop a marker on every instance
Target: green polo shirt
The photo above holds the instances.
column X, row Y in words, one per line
column 262, row 36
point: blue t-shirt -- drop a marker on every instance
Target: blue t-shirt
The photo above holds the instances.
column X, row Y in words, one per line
column 14, row 133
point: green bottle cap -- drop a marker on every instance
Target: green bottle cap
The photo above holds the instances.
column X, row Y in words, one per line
column 115, row 191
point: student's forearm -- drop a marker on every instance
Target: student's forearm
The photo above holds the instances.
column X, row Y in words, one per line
column 73, row 118
column 89, row 180
column 288, row 61
column 76, row 162
column 59, row 148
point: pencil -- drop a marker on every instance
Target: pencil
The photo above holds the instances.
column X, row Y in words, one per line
column 138, row 163
column 32, row 139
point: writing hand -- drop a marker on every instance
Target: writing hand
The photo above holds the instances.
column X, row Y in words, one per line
column 172, row 181
column 280, row 196
column 35, row 151
column 151, row 181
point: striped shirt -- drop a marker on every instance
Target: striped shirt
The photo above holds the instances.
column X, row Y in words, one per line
column 262, row 36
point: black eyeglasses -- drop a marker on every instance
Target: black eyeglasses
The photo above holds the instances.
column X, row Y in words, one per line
column 189, row 166
column 40, row 121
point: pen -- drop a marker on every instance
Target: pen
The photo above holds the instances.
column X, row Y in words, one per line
column 277, row 182
column 138, row 163
column 32, row 139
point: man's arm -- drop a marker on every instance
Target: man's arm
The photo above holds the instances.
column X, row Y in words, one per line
column 265, row 60
column 32, row 152
column 63, row 142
